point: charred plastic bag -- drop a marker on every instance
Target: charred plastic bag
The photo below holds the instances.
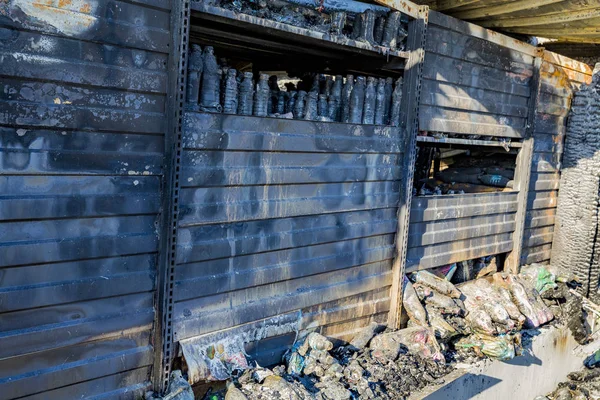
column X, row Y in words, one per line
column 502, row 348
column 438, row 284
column 538, row 276
column 445, row 304
column 442, row 329
column 418, row 340
column 412, row 305
column 526, row 298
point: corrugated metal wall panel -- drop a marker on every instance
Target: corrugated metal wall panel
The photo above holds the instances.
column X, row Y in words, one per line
column 474, row 81
column 284, row 215
column 560, row 76
column 451, row 228
column 82, row 123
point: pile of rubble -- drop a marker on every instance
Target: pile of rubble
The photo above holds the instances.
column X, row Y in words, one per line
column 447, row 323
column 581, row 385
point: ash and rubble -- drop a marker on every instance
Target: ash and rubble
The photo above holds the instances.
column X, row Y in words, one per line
column 581, row 385
column 494, row 316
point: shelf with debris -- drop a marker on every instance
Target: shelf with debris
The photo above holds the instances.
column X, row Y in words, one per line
column 306, row 26
column 462, row 165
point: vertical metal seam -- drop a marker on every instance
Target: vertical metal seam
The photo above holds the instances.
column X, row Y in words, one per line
column 412, row 132
column 180, row 26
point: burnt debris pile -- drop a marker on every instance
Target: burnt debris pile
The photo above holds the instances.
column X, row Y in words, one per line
column 581, row 385
column 315, row 97
column 448, row 323
column 375, row 25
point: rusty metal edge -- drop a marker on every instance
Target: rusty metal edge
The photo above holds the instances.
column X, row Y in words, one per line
column 411, row 97
column 404, row 6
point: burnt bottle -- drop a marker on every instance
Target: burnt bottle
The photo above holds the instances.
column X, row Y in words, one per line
column 357, row 101
column 299, row 106
column 389, row 89
column 209, row 94
column 335, row 98
column 338, row 20
column 223, row 83
column 310, row 107
column 328, row 85
column 282, row 98
column 246, row 94
column 194, row 74
column 345, row 100
column 379, row 28
column 261, row 96
column 380, row 102
column 367, row 26
column 390, row 33
column 230, row 93
column 356, row 26
column 322, row 107
column 272, row 108
column 396, row 103
column 291, row 102
column 368, row 116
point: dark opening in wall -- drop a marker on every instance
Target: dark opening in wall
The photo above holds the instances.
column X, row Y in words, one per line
column 443, row 168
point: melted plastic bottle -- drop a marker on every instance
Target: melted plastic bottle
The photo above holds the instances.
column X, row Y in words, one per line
column 357, row 101
column 194, row 74
column 370, row 101
column 246, row 94
column 380, row 102
column 230, row 96
column 345, row 100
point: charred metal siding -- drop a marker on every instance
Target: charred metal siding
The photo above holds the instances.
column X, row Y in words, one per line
column 452, row 228
column 284, row 215
column 82, row 123
column 560, row 77
column 475, row 81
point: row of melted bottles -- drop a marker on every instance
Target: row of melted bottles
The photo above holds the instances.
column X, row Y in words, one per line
column 357, row 101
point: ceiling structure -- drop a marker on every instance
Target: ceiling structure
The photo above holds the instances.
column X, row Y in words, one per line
column 575, row 21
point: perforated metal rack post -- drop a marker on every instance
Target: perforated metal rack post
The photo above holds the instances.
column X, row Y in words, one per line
column 177, row 83
column 411, row 95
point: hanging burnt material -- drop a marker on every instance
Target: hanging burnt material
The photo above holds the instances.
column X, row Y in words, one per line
column 246, row 95
column 261, row 96
column 370, row 101
column 357, row 101
column 402, row 35
column 389, row 89
column 345, row 101
column 396, row 102
column 194, row 73
column 310, row 108
column 338, row 21
column 335, row 98
column 367, row 27
column 299, row 105
column 322, row 107
column 291, row 103
column 209, row 95
column 379, row 28
column 230, row 93
column 380, row 103
column 390, row 33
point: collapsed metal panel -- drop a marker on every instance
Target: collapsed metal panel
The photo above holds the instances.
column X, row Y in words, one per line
column 284, row 215
column 475, row 81
column 560, row 77
column 82, row 122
